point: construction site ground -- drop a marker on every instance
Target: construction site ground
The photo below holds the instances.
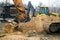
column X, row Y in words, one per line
column 20, row 36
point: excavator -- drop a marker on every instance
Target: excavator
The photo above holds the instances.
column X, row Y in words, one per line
column 20, row 8
column 52, row 26
column 21, row 16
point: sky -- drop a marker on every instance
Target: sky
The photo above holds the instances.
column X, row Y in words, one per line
column 49, row 3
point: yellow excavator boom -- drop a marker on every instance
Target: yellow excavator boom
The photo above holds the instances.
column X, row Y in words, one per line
column 20, row 8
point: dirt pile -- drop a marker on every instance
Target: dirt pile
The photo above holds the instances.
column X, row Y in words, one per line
column 55, row 18
column 7, row 28
column 35, row 23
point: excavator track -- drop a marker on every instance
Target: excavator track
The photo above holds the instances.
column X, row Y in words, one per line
column 52, row 27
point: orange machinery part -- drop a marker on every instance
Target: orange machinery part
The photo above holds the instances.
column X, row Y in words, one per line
column 20, row 9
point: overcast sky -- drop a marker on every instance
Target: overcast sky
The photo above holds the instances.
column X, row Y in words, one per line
column 54, row 3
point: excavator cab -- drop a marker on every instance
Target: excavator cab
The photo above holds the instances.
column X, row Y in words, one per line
column 43, row 11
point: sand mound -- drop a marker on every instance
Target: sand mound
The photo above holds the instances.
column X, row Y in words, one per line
column 35, row 23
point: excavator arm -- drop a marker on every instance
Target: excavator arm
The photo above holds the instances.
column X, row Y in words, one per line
column 20, row 8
